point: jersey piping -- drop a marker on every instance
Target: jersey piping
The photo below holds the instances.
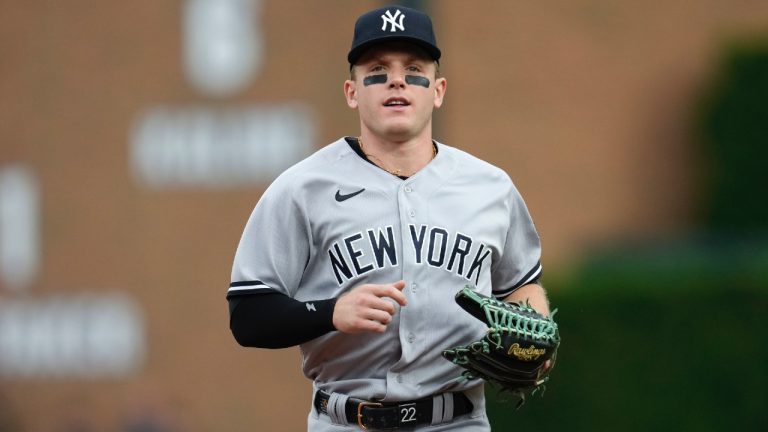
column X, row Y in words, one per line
column 247, row 287
column 530, row 277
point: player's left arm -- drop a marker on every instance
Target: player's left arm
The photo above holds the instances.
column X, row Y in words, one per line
column 517, row 272
column 533, row 294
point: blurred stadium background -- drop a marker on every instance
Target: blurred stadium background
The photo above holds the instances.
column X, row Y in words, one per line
column 135, row 137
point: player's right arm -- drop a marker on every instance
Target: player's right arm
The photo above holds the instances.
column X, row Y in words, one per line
column 269, row 265
column 274, row 320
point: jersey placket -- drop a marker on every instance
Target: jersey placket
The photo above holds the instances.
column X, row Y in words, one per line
column 411, row 213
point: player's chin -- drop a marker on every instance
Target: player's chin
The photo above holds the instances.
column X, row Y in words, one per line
column 403, row 118
column 399, row 130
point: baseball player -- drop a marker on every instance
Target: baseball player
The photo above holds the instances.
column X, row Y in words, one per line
column 355, row 253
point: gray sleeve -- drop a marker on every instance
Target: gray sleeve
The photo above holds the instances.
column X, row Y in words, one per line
column 274, row 248
column 520, row 261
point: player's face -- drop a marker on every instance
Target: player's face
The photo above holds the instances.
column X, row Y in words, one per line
column 395, row 89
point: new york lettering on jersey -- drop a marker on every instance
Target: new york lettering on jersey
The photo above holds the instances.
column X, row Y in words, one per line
column 434, row 246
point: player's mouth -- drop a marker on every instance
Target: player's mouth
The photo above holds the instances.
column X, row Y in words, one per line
column 396, row 102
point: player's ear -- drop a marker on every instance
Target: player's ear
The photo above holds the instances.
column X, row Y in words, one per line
column 440, row 86
column 350, row 93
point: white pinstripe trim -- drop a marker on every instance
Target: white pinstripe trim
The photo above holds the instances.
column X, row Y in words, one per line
column 447, row 407
column 437, row 409
column 336, row 408
column 248, row 287
column 536, row 273
column 533, row 276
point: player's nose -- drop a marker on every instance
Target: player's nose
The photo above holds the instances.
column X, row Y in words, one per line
column 397, row 79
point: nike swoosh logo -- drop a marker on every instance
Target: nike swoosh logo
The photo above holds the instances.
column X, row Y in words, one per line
column 340, row 197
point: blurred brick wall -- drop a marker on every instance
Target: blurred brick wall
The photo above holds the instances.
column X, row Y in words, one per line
column 588, row 106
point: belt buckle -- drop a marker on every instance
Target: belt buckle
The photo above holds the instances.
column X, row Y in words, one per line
column 360, row 412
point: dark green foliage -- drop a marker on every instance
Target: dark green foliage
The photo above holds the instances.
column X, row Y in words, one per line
column 667, row 341
column 733, row 126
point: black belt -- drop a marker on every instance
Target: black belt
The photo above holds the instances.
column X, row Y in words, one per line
column 391, row 415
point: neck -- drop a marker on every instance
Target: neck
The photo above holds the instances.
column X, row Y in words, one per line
column 400, row 158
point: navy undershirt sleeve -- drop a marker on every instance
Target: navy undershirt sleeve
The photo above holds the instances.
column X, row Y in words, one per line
column 274, row 320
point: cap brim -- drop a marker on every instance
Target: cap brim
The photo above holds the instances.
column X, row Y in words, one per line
column 357, row 52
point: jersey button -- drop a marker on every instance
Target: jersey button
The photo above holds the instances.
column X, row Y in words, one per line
column 400, row 379
column 411, row 337
column 408, row 189
column 413, row 287
column 412, row 213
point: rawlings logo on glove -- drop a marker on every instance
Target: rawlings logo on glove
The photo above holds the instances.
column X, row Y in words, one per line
column 517, row 352
column 525, row 354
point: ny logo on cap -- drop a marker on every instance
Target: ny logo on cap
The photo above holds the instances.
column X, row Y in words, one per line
column 389, row 18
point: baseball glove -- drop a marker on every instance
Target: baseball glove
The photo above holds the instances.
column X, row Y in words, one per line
column 514, row 351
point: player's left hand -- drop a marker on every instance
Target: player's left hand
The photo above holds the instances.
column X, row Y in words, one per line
column 517, row 352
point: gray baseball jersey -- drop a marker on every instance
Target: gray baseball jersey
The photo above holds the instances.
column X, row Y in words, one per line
column 335, row 221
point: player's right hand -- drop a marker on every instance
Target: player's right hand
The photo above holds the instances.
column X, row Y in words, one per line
column 366, row 308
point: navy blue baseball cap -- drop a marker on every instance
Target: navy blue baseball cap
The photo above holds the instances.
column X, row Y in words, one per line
column 393, row 23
